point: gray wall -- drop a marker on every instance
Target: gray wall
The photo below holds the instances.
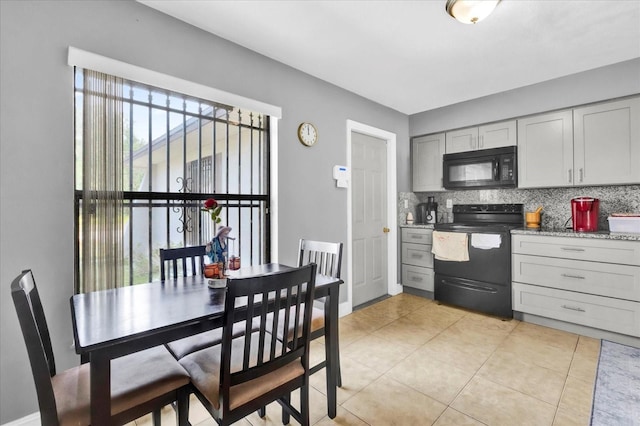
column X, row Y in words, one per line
column 37, row 158
column 590, row 86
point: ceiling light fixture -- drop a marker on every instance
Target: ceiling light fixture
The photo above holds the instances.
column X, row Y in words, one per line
column 470, row 11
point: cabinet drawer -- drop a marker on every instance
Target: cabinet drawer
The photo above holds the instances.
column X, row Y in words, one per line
column 417, row 255
column 597, row 250
column 417, row 235
column 606, row 279
column 417, row 277
column 620, row 316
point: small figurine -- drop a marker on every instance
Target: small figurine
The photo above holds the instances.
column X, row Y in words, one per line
column 217, row 249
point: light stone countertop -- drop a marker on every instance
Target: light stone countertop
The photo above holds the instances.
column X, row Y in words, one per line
column 555, row 232
column 404, row 225
column 606, row 235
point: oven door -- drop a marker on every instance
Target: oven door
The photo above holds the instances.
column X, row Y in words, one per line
column 484, row 282
column 491, row 265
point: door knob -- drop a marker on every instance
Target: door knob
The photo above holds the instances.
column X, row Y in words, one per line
column 386, row 230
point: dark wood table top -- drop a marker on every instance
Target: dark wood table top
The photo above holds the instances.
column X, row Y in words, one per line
column 144, row 314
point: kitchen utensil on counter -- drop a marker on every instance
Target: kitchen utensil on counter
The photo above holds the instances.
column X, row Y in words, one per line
column 584, row 214
column 409, row 218
column 533, row 219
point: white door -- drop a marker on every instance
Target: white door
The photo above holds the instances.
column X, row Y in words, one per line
column 369, row 217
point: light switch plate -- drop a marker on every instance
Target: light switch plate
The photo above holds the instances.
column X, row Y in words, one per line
column 406, row 204
column 449, row 203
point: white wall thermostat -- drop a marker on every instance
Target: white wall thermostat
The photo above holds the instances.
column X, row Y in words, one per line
column 341, row 175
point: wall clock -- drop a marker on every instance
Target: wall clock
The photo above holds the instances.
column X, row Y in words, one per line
column 308, row 134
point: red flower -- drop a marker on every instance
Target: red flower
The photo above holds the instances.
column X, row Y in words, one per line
column 210, row 204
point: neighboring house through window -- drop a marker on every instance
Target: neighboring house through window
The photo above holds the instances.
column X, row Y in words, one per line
column 177, row 152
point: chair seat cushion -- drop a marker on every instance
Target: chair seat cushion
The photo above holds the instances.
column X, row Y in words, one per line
column 183, row 347
column 317, row 323
column 204, row 368
column 135, row 379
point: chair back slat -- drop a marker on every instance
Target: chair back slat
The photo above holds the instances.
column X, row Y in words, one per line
column 264, row 296
column 327, row 255
column 38, row 341
column 193, row 255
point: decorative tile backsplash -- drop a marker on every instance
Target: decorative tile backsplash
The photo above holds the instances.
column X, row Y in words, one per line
column 555, row 202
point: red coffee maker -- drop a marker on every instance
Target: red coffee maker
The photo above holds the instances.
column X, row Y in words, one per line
column 584, row 213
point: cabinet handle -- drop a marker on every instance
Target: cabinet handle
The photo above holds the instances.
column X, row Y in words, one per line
column 569, row 175
column 416, row 237
column 571, row 249
column 578, row 277
column 417, row 256
column 581, row 174
column 574, row 308
column 416, row 279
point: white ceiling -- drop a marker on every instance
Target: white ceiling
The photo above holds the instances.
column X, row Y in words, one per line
column 410, row 55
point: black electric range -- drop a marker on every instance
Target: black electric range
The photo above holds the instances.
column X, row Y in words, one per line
column 482, row 283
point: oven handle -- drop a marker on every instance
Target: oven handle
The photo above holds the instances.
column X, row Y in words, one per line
column 496, row 170
column 472, row 287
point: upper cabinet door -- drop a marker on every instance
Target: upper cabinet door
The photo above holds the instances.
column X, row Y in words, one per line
column 426, row 155
column 607, row 143
column 545, row 150
column 497, row 135
column 462, row 140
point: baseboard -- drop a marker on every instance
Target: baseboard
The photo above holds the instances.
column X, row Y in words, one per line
column 418, row 292
column 30, row 420
column 344, row 309
column 583, row 330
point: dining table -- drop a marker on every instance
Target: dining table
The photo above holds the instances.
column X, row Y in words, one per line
column 111, row 323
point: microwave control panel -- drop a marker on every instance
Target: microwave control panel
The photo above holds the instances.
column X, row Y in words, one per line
column 507, row 168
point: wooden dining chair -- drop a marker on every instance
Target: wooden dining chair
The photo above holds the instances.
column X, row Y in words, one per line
column 141, row 383
column 245, row 373
column 191, row 261
column 328, row 257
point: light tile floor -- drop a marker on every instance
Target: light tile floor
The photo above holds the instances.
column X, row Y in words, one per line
column 409, row 361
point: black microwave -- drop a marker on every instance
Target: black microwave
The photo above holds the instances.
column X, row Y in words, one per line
column 486, row 168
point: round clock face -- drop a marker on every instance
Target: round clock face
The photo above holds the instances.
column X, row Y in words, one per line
column 307, row 134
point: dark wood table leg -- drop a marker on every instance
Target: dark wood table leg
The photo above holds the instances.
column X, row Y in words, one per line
column 100, row 389
column 331, row 334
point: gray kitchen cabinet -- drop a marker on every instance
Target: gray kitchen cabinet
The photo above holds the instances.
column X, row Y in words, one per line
column 597, row 144
column 487, row 136
column 592, row 282
column 545, row 150
column 607, row 143
column 426, row 162
column 417, row 260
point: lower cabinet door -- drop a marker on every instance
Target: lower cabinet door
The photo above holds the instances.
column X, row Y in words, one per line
column 605, row 279
column 417, row 255
column 620, row 316
column 417, row 277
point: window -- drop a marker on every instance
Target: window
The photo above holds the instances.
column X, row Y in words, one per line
column 177, row 151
